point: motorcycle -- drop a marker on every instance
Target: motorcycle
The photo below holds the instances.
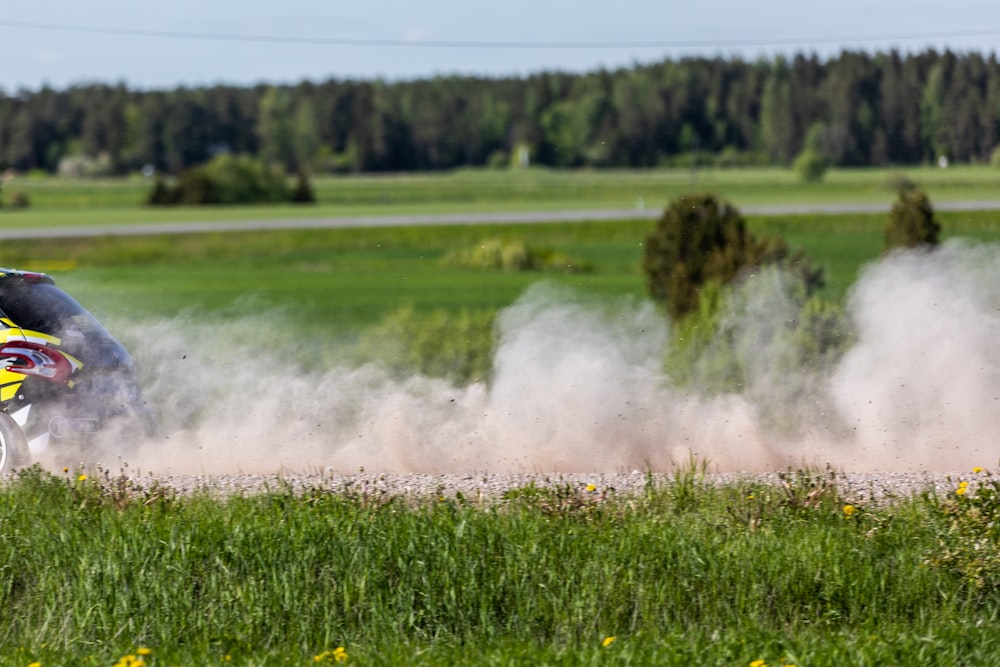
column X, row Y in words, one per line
column 64, row 379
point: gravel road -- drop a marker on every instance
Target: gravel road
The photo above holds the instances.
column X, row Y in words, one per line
column 856, row 487
column 526, row 217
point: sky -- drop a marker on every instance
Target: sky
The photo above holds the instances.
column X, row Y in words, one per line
column 61, row 43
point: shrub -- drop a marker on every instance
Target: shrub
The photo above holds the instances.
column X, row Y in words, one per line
column 767, row 340
column 912, row 222
column 491, row 255
column 246, row 180
column 195, row 186
column 699, row 240
column 19, row 199
column 811, row 166
column 228, row 179
column 161, row 194
column 303, row 192
column 454, row 346
column 715, row 347
column 514, row 255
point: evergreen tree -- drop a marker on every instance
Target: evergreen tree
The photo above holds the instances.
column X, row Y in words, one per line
column 699, row 241
column 912, row 222
column 875, row 109
column 776, row 124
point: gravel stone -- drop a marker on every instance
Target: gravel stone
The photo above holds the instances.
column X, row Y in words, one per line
column 856, row 487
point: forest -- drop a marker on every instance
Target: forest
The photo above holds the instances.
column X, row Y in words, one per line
column 854, row 109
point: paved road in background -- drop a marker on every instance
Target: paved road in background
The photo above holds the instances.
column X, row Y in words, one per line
column 147, row 229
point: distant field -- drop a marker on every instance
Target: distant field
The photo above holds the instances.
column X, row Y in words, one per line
column 342, row 279
column 59, row 202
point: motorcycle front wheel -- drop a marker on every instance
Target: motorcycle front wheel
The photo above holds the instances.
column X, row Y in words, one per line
column 13, row 445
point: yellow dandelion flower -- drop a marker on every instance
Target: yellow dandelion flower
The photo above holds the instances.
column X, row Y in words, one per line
column 338, row 654
column 963, row 484
column 758, row 663
column 142, row 650
column 82, row 477
column 608, row 641
column 36, row 663
column 138, row 663
column 960, row 491
column 591, row 488
column 849, row 510
column 977, row 470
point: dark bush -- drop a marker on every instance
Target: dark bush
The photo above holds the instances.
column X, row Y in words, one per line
column 228, row 179
column 18, row 199
column 195, row 186
column 246, row 180
column 303, row 192
column 912, row 222
column 161, row 194
column 698, row 241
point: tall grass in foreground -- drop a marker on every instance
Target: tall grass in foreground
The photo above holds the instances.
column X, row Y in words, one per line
column 686, row 573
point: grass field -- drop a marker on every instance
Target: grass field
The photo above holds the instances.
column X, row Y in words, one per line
column 686, row 573
column 58, row 202
column 344, row 279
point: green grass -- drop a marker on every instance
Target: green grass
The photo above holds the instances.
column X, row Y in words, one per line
column 350, row 278
column 685, row 573
column 335, row 278
column 62, row 202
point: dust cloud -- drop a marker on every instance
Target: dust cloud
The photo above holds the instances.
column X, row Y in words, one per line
column 581, row 388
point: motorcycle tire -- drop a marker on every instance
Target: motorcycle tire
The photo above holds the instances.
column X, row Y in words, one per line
column 13, row 445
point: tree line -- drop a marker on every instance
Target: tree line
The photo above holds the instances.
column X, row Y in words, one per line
column 856, row 108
